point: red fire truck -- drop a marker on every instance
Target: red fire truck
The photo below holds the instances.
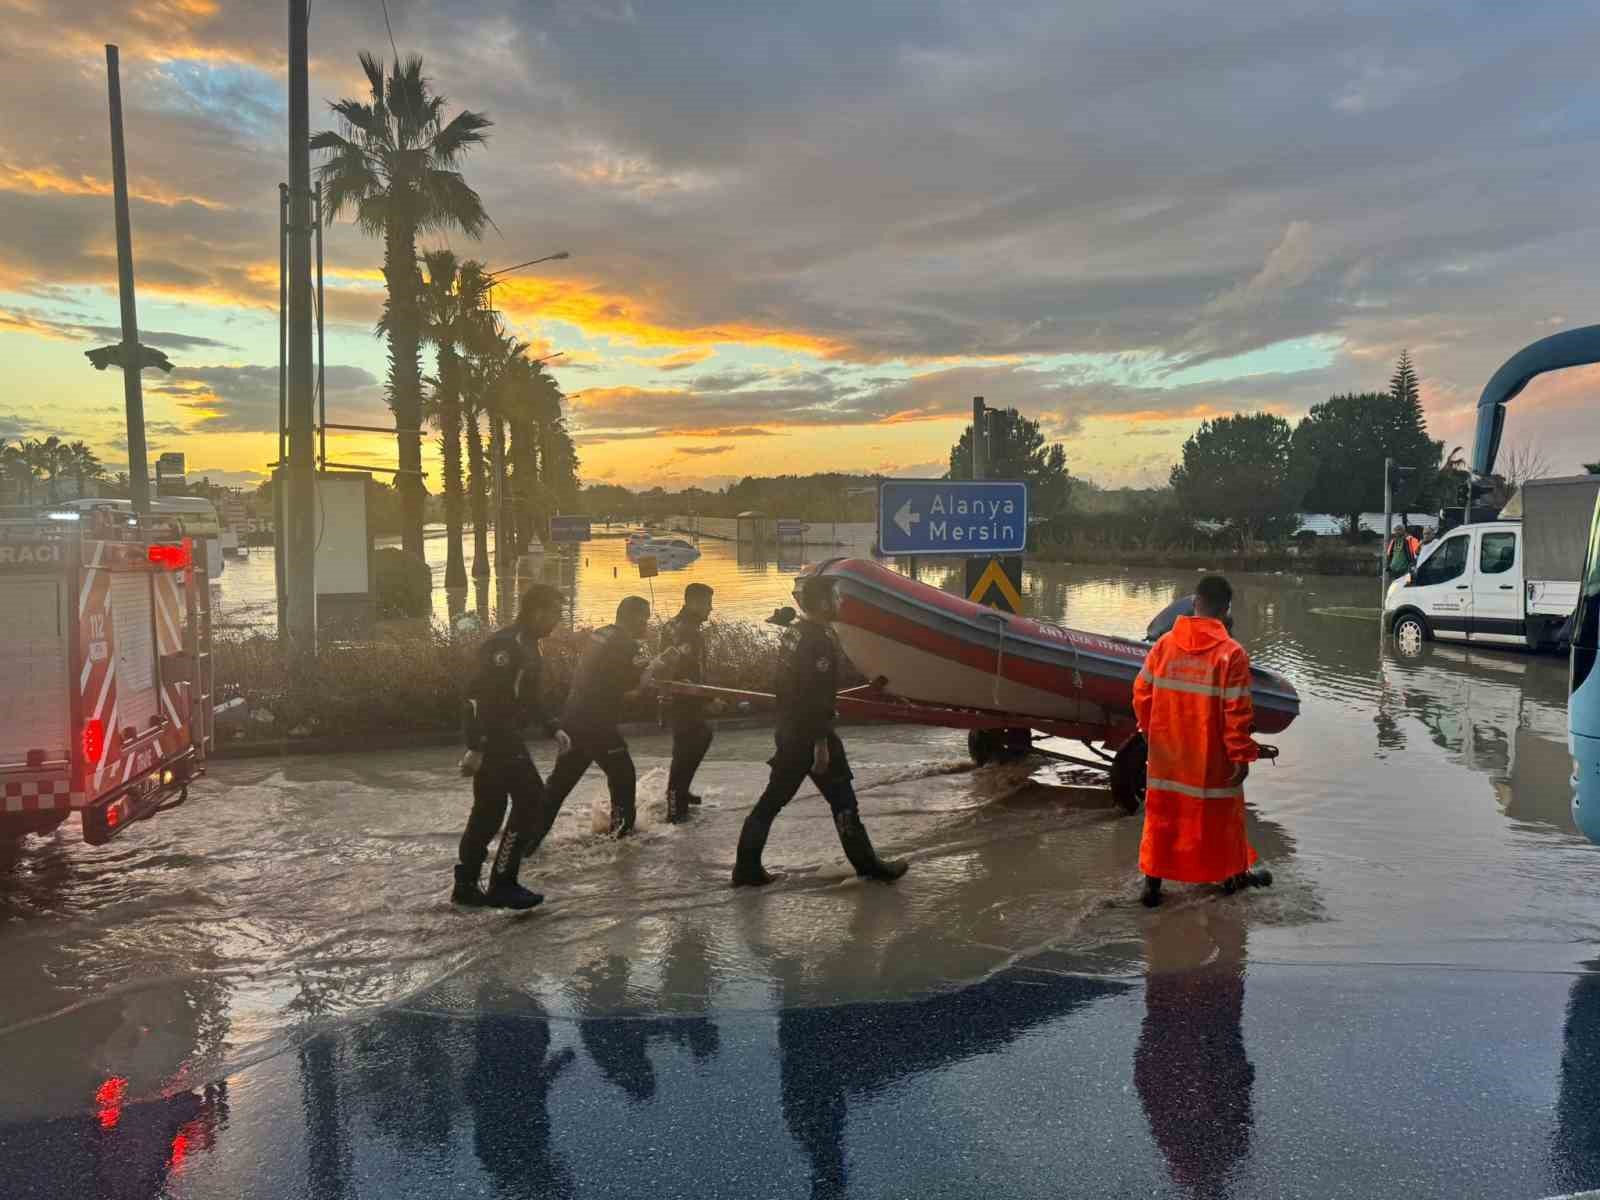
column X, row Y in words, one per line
column 105, row 670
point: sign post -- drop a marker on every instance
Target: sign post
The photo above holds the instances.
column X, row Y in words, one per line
column 952, row 516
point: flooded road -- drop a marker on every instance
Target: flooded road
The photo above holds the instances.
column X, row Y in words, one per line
column 264, row 993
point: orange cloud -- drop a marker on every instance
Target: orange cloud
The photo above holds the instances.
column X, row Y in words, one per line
column 14, row 178
column 599, row 312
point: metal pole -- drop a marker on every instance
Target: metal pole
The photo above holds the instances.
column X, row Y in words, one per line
column 322, row 357
column 283, row 327
column 300, row 540
column 1388, row 533
column 980, row 440
column 132, row 352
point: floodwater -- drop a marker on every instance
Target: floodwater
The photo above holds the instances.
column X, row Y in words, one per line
column 1417, row 825
column 594, row 575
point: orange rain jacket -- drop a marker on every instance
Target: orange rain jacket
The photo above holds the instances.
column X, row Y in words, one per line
column 1192, row 701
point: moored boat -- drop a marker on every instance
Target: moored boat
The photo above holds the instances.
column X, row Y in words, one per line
column 935, row 648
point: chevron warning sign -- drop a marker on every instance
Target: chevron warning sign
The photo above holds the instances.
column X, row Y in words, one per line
column 996, row 582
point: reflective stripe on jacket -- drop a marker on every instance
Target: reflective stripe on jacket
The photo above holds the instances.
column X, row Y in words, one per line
column 1192, row 701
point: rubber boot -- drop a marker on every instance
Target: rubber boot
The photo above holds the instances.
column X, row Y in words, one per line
column 858, row 849
column 694, row 801
column 466, row 892
column 1151, row 896
column 747, row 868
column 677, row 807
column 505, row 892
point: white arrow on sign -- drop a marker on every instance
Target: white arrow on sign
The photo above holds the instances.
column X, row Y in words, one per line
column 905, row 518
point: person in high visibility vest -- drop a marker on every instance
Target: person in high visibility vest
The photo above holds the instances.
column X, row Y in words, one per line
column 1192, row 702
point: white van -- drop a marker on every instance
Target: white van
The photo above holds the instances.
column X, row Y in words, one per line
column 1506, row 582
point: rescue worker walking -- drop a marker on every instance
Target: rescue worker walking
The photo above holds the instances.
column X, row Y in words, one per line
column 502, row 700
column 683, row 657
column 807, row 746
column 1192, row 702
column 611, row 672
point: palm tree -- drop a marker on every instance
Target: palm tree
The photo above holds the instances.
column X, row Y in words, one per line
column 84, row 464
column 44, row 461
column 475, row 376
column 456, row 319
column 393, row 165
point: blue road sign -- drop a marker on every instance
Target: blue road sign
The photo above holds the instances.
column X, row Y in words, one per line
column 952, row 516
column 569, row 529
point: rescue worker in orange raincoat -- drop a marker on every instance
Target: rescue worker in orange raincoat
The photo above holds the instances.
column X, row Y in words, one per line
column 1192, row 701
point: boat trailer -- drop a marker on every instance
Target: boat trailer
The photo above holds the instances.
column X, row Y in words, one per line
column 991, row 736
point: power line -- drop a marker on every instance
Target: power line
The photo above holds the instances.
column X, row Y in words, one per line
column 390, row 28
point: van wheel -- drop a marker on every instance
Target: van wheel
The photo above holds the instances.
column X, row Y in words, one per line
column 1410, row 632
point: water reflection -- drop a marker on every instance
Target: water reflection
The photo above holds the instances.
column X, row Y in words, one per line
column 833, row 1055
column 1497, row 713
column 620, row 1043
column 1194, row 1079
column 508, row 1090
column 1575, row 1147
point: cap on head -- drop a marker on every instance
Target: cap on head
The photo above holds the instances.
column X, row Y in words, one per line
column 1212, row 596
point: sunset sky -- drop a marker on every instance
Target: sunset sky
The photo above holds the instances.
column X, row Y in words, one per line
column 803, row 236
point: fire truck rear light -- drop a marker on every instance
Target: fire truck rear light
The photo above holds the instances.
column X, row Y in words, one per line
column 94, row 740
column 114, row 815
column 167, row 776
column 171, row 557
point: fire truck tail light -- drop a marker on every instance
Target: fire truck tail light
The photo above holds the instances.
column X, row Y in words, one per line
column 172, row 557
column 94, row 741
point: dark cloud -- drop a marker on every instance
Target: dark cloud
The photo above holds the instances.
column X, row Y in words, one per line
column 39, row 321
column 245, row 398
column 705, row 451
column 910, row 179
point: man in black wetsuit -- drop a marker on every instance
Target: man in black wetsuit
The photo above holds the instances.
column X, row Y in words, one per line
column 807, row 747
column 502, row 700
column 683, row 657
column 614, row 668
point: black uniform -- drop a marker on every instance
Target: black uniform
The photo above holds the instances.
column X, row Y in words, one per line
column 610, row 667
column 691, row 732
column 503, row 700
column 806, row 686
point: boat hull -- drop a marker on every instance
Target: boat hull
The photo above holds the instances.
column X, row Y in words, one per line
column 936, row 648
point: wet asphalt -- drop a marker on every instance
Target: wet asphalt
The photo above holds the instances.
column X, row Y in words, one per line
column 1039, row 1081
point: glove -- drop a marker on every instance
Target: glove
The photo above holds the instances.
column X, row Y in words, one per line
column 470, row 762
column 563, row 741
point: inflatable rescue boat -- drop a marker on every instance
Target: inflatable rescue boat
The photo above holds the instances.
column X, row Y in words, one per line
column 926, row 645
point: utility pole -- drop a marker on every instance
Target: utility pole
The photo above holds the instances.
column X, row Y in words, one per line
column 980, row 439
column 132, row 356
column 300, row 544
column 1388, row 533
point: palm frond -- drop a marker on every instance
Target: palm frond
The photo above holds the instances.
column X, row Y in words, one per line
column 464, row 131
column 448, row 203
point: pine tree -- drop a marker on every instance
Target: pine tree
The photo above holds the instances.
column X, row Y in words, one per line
column 1403, row 384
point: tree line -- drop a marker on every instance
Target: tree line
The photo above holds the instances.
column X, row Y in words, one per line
column 1256, row 474
column 33, row 468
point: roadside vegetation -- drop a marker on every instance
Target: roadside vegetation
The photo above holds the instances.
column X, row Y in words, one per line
column 410, row 679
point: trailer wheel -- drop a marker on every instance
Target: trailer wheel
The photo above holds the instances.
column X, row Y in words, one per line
column 1128, row 773
column 999, row 745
